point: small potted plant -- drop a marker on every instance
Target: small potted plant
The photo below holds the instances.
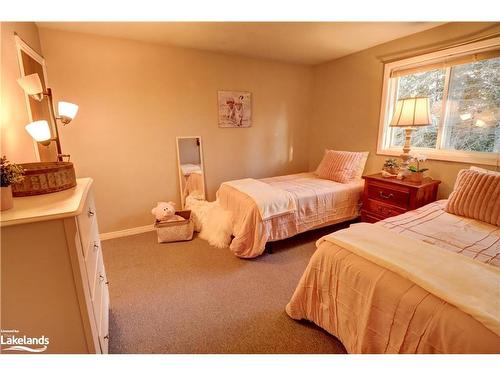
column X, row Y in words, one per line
column 416, row 174
column 10, row 174
column 391, row 166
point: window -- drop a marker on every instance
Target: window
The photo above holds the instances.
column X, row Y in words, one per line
column 463, row 86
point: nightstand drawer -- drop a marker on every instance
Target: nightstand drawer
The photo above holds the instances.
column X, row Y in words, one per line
column 369, row 217
column 389, row 195
column 381, row 209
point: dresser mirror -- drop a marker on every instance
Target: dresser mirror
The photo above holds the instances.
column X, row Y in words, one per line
column 191, row 171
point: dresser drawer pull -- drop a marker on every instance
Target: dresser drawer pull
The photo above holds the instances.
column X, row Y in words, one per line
column 383, row 196
column 106, row 337
column 101, row 279
column 96, row 246
column 90, row 212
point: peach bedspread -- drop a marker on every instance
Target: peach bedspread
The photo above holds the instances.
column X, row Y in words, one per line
column 374, row 310
column 319, row 203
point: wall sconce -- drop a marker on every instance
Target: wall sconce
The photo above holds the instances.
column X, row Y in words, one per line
column 66, row 111
column 40, row 130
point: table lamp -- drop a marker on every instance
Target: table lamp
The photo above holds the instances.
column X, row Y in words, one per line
column 410, row 113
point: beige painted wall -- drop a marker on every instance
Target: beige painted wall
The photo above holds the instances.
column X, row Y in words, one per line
column 135, row 98
column 15, row 141
column 347, row 95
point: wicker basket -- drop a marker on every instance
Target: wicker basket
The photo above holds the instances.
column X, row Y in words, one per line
column 172, row 231
column 45, row 178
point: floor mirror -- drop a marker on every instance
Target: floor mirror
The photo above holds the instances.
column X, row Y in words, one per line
column 191, row 170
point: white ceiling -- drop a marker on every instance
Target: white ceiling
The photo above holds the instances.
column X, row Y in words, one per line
column 296, row 42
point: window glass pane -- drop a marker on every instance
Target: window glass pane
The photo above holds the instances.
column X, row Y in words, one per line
column 472, row 121
column 429, row 84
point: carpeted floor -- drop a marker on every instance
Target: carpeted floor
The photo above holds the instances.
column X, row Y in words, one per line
column 189, row 297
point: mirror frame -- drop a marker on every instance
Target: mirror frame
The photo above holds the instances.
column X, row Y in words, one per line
column 183, row 203
column 22, row 46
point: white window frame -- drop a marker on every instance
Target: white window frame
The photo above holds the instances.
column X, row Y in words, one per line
column 389, row 94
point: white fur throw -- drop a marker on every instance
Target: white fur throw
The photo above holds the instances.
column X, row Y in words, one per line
column 212, row 222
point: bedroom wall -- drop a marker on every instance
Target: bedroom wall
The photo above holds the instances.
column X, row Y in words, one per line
column 16, row 143
column 347, row 95
column 135, row 98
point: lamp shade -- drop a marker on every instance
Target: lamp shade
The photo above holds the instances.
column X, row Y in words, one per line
column 412, row 112
column 67, row 111
column 39, row 130
column 31, row 84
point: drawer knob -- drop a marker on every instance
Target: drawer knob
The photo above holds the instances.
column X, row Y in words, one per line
column 96, row 246
column 101, row 279
column 383, row 196
column 91, row 213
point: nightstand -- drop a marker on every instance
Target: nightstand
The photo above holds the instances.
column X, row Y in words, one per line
column 386, row 197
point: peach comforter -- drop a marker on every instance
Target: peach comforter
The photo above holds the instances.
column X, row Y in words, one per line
column 319, row 203
column 374, row 310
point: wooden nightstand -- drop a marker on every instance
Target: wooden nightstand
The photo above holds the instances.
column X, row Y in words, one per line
column 386, row 197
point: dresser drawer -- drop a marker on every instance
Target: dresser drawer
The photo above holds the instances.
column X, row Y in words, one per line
column 381, row 209
column 100, row 289
column 92, row 259
column 389, row 195
column 101, row 304
column 104, row 326
column 85, row 221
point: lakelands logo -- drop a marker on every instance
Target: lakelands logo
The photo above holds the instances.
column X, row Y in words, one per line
column 11, row 340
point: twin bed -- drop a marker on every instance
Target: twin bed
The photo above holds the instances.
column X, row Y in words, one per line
column 375, row 308
column 318, row 202
column 427, row 281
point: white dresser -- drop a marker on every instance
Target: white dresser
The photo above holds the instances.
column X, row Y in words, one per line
column 53, row 281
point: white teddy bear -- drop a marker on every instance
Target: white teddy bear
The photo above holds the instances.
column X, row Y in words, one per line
column 165, row 211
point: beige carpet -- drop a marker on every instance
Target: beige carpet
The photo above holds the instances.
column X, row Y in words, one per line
column 189, row 297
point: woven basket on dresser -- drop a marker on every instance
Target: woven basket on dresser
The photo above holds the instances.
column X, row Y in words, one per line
column 44, row 178
column 172, row 231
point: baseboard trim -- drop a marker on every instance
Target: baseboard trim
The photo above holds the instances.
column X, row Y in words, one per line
column 126, row 232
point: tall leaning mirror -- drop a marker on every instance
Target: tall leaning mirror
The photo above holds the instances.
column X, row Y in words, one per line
column 191, row 171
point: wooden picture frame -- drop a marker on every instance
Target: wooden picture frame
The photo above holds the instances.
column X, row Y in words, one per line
column 234, row 109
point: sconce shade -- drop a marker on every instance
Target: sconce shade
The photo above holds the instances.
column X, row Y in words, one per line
column 67, row 111
column 412, row 112
column 31, row 84
column 39, row 130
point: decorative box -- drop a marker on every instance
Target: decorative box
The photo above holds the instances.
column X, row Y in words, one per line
column 172, row 231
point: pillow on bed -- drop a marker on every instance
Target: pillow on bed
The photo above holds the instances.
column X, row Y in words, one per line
column 476, row 195
column 361, row 165
column 340, row 166
column 479, row 169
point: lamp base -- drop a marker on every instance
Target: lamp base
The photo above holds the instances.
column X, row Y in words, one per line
column 405, row 156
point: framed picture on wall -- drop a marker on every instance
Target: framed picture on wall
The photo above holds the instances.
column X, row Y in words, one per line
column 235, row 109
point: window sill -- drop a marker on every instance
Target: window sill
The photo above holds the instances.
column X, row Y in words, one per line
column 482, row 158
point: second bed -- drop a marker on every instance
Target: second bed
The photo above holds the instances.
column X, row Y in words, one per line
column 318, row 202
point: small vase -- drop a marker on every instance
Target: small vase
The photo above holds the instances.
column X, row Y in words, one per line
column 6, row 200
column 415, row 177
